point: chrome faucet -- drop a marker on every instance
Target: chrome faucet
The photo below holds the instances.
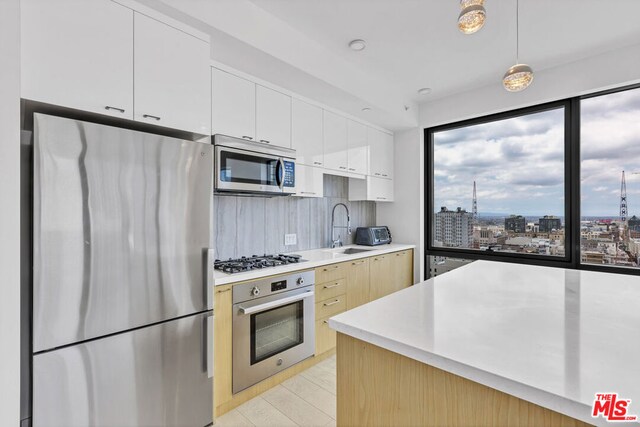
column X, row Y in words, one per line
column 337, row 242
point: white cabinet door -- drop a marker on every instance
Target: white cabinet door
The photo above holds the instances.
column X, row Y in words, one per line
column 233, row 105
column 372, row 188
column 387, row 159
column 309, row 181
column 78, row 54
column 377, row 153
column 172, row 83
column 335, row 142
column 306, row 133
column 381, row 157
column 380, row 189
column 358, row 148
column 273, row 117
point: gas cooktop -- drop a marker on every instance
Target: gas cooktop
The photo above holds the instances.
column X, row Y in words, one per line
column 255, row 262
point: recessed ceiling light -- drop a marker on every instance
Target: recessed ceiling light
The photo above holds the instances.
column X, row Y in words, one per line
column 357, row 44
column 424, row 91
column 365, row 109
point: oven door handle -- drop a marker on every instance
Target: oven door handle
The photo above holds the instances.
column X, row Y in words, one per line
column 274, row 304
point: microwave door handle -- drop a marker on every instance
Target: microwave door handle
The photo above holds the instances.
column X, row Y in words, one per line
column 280, row 173
column 274, row 304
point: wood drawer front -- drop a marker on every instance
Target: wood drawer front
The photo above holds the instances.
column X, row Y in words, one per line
column 331, row 289
column 330, row 273
column 325, row 336
column 331, row 306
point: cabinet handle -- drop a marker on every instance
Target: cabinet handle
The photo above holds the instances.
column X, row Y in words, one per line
column 326, row 322
column 357, row 262
column 384, row 174
column 317, row 163
column 351, row 169
column 333, row 267
column 149, row 116
column 331, row 286
column 343, row 167
column 327, row 304
column 381, row 198
column 247, row 137
column 307, row 192
column 376, row 174
column 265, row 141
column 224, row 290
column 108, row 108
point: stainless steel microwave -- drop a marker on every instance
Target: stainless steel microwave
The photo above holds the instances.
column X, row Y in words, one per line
column 256, row 168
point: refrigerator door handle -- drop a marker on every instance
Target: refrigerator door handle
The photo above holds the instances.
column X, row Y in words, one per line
column 209, row 343
column 209, row 281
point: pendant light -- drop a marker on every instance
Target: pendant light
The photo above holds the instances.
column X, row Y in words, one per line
column 519, row 76
column 472, row 16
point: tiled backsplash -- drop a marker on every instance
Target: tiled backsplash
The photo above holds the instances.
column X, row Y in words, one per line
column 247, row 226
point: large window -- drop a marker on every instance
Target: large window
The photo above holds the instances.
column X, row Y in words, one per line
column 556, row 184
column 499, row 186
column 609, row 162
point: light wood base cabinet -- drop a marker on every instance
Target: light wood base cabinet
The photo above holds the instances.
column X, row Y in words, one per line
column 377, row 387
column 358, row 280
column 382, row 276
column 338, row 287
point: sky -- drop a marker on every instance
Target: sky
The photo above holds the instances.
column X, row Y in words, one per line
column 518, row 163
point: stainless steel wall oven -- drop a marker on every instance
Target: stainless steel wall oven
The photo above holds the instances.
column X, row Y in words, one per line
column 273, row 326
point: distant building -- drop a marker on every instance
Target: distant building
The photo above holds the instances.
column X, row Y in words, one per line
column 515, row 223
column 454, row 228
column 634, row 223
column 548, row 223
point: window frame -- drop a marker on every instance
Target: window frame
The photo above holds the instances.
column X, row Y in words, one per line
column 571, row 259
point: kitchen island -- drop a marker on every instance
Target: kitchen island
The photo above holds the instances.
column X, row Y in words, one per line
column 491, row 344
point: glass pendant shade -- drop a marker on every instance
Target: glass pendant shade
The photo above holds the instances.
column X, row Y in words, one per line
column 472, row 16
column 517, row 78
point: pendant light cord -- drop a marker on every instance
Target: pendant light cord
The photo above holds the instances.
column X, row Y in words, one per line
column 517, row 31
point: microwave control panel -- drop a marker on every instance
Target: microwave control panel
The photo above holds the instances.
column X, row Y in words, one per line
column 289, row 174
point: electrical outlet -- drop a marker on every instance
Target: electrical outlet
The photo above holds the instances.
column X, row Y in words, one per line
column 289, row 239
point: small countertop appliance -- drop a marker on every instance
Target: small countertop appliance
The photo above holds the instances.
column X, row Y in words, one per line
column 373, row 236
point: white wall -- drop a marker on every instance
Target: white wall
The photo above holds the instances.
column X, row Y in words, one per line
column 10, row 213
column 609, row 70
column 404, row 216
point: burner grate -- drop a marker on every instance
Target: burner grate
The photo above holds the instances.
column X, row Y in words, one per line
column 255, row 262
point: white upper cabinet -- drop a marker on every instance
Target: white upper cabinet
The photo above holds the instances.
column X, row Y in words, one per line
column 388, row 159
column 371, row 188
column 358, row 148
column 306, row 133
column 172, row 77
column 309, row 181
column 335, row 142
column 233, row 109
column 381, row 156
column 102, row 57
column 273, row 117
column 78, row 54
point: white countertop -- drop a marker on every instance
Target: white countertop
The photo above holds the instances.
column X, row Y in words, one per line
column 314, row 258
column 550, row 336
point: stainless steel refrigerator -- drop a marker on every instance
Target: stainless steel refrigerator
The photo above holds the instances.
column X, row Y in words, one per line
column 122, row 322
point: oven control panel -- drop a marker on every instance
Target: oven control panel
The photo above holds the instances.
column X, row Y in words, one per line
column 273, row 285
column 278, row 286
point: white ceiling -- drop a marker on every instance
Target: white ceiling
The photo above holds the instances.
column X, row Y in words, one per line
column 414, row 43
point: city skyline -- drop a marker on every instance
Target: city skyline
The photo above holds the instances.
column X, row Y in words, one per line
column 518, row 163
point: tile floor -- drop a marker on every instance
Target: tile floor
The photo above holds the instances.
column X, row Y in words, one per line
column 308, row 399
